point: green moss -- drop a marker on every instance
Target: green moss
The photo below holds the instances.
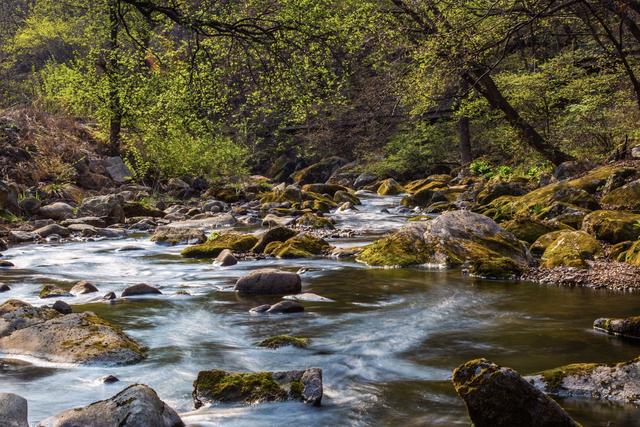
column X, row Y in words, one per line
column 632, row 255
column 495, row 268
column 284, row 340
column 542, row 243
column 571, row 249
column 297, row 387
column 395, row 250
column 301, row 246
column 553, row 378
column 314, row 221
column 221, row 386
column 236, row 242
column 389, row 187
column 529, row 229
column 625, row 197
column 612, row 226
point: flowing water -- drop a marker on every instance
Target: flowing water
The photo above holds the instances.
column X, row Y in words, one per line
column 387, row 342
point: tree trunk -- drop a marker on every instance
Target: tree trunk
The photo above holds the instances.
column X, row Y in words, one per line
column 464, row 140
column 115, row 108
column 484, row 84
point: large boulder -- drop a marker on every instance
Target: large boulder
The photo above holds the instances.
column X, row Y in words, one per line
column 275, row 234
column 58, row 211
column 571, row 249
column 301, row 246
column 311, row 220
column 452, row 239
column 255, row 387
column 612, row 226
column 73, row 338
column 389, row 187
column 13, row 410
column 628, row 327
column 499, row 397
column 530, row 229
column 135, row 406
column 319, row 172
column 269, row 282
column 178, row 235
column 109, row 207
column 234, row 241
column 321, row 188
column 117, row 170
column 625, row 197
column 632, row 254
column 618, row 383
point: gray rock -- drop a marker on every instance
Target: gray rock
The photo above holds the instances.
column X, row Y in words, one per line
column 13, row 410
column 140, row 289
column 62, row 307
column 304, row 385
column 117, row 170
column 285, row 307
column 88, row 220
column 276, row 234
column 109, row 207
column 212, row 222
column 628, row 327
column 51, row 229
column 271, row 220
column 226, row 259
column 111, row 233
column 9, row 197
column 30, row 205
column 135, row 406
column 83, row 287
column 269, row 282
column 85, row 230
column 178, row 235
column 72, row 338
column 58, row 211
column 109, row 296
column 499, row 397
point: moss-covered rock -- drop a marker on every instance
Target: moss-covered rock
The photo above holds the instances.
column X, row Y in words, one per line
column 255, row 387
column 321, row 188
column 401, row 249
column 628, row 327
column 493, row 190
column 612, row 226
column 341, row 197
column 631, row 255
column 625, row 197
column 541, row 244
column 301, row 246
column 283, row 341
column 389, row 187
column 499, row 397
column 235, row 242
column 571, row 249
column 495, row 268
column 529, row 229
column 312, row 220
column 53, row 291
column 429, row 183
column 320, row 171
column 275, row 234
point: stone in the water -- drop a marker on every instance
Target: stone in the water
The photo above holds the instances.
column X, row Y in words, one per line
column 260, row 309
column 249, row 388
column 53, row 291
column 135, row 406
column 499, row 397
column 140, row 289
column 109, row 207
column 62, row 307
column 83, row 287
column 109, row 296
column 283, row 341
column 226, row 258
column 13, row 410
column 72, row 338
column 627, row 327
column 285, row 307
column 6, row 264
column 110, row 379
column 269, row 282
column 4, row 287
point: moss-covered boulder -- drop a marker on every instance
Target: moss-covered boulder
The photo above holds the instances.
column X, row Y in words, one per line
column 275, row 234
column 344, row 196
column 283, row 341
column 493, row 190
column 301, row 246
column 319, row 172
column 612, row 226
column 256, row 387
column 529, row 229
column 571, row 249
column 496, row 396
column 389, row 187
column 628, row 327
column 452, row 239
column 72, row 338
column 429, row 183
column 321, row 188
column 625, row 197
column 53, row 291
column 541, row 244
column 235, row 242
column 134, row 209
column 617, row 383
column 631, row 255
column 311, row 220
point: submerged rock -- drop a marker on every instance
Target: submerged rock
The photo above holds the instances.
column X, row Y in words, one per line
column 135, row 406
column 13, row 410
column 499, row 397
column 269, row 282
column 283, row 341
column 140, row 289
column 618, row 383
column 178, row 235
column 285, row 307
column 73, row 338
column 628, row 327
column 250, row 388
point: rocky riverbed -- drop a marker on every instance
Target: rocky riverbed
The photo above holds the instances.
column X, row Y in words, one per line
column 113, row 293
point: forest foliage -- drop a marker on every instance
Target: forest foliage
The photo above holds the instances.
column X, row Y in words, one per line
column 210, row 88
